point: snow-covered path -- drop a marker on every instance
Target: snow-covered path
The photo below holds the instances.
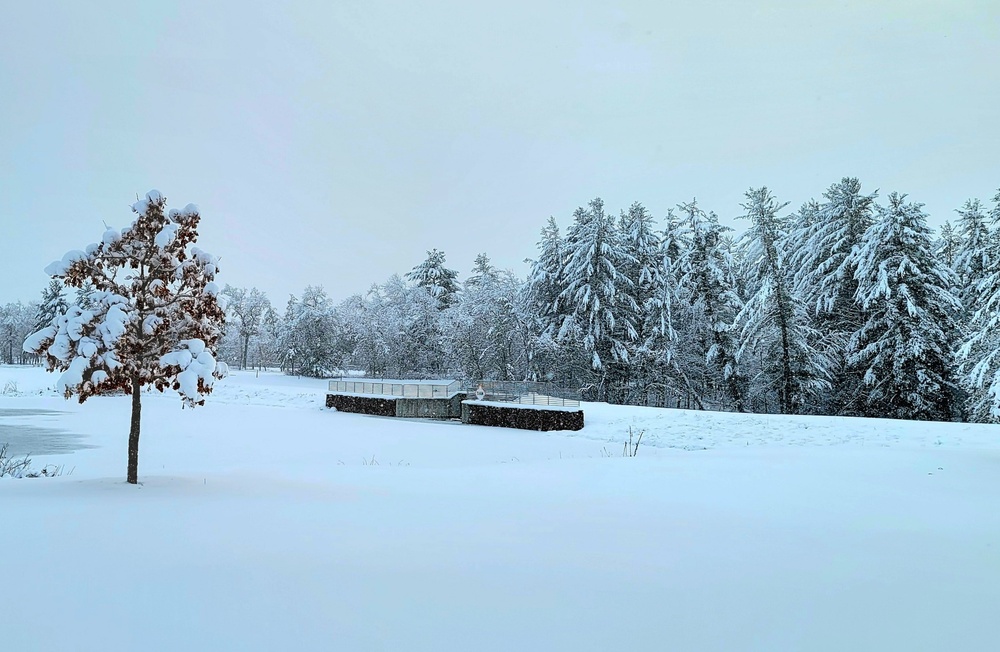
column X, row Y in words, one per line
column 261, row 527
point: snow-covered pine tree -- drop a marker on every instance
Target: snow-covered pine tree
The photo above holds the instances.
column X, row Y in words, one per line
column 597, row 302
column 52, row 305
column 994, row 217
column 154, row 319
column 823, row 241
column 820, row 247
column 545, row 280
column 665, row 321
column 541, row 314
column 713, row 304
column 83, row 295
column 904, row 347
column 483, row 271
column 438, row 280
column 948, row 244
column 775, row 321
column 641, row 243
column 980, row 350
column 973, row 259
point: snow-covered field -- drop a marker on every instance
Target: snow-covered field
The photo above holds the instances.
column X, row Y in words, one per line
column 267, row 522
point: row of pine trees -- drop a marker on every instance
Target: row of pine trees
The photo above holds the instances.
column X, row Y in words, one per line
column 846, row 306
column 849, row 305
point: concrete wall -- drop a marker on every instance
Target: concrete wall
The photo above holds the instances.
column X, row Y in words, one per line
column 425, row 408
column 430, row 408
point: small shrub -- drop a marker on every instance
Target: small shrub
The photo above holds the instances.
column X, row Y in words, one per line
column 20, row 467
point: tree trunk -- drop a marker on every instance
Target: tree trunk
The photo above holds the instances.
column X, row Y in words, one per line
column 133, row 435
column 246, row 348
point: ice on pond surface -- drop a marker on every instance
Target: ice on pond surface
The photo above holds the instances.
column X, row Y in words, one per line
column 20, row 430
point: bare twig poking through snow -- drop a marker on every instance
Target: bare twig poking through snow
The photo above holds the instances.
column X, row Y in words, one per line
column 14, row 468
column 21, row 467
column 632, row 445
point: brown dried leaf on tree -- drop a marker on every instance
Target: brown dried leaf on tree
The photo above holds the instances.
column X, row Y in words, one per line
column 152, row 318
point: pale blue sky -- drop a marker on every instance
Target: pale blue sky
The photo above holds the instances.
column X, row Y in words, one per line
column 335, row 142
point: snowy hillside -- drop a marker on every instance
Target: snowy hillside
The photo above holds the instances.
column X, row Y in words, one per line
column 267, row 522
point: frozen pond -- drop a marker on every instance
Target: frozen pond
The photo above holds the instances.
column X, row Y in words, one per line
column 25, row 432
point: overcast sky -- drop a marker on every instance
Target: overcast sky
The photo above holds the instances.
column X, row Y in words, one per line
column 335, row 142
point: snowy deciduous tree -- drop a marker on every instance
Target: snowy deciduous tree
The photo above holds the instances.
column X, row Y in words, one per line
column 154, row 317
column 483, row 333
column 17, row 321
column 309, row 334
column 247, row 309
column 905, row 344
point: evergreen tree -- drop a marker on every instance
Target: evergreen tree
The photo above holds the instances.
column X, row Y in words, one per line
column 52, row 305
column 641, row 245
column 438, row 280
column 823, row 242
column 667, row 322
column 774, row 319
column 980, row 350
column 483, row 271
column 973, row 259
column 545, row 280
column 821, row 246
column 948, row 245
column 905, row 343
column 709, row 285
column 598, row 307
column 83, row 295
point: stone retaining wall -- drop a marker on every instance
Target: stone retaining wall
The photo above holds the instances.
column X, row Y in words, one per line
column 383, row 407
column 525, row 418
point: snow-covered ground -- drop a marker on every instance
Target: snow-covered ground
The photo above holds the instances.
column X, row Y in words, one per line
column 267, row 522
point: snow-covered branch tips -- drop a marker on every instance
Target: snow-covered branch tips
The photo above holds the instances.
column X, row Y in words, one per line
column 148, row 314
